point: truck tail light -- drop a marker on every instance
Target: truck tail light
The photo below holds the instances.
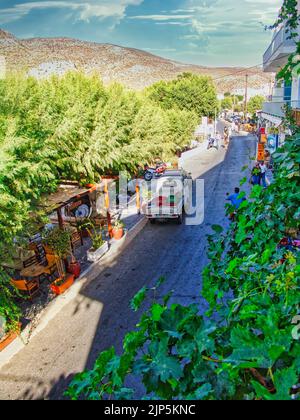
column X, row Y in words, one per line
column 161, row 201
column 172, row 201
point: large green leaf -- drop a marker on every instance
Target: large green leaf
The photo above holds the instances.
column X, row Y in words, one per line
column 284, row 380
column 138, row 299
column 202, row 392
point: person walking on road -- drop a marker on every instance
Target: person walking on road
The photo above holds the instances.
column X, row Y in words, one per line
column 218, row 140
column 236, row 201
column 263, row 174
column 235, row 198
column 211, row 142
column 233, row 127
column 226, row 136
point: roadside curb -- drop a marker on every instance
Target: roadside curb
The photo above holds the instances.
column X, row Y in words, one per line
column 55, row 306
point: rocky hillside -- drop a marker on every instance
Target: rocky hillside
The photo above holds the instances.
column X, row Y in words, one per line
column 135, row 68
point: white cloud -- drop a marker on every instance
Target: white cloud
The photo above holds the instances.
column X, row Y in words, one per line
column 232, row 18
column 172, row 23
column 210, row 17
column 162, row 17
column 100, row 9
column 228, row 28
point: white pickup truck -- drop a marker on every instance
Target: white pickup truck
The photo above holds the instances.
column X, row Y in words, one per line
column 168, row 194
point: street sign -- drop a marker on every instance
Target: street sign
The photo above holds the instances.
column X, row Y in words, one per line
column 263, row 138
column 272, row 142
column 261, row 152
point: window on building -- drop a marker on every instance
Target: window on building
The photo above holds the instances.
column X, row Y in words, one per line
column 287, row 95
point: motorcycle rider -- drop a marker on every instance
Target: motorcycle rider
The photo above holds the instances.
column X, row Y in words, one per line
column 211, row 142
column 218, row 140
column 226, row 135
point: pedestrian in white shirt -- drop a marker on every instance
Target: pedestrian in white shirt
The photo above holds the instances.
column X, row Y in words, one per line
column 263, row 173
column 218, row 140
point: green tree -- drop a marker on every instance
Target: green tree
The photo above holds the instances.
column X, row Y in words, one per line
column 238, row 108
column 255, row 103
column 188, row 92
column 227, row 103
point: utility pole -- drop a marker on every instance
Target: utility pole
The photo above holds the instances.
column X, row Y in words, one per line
column 271, row 88
column 246, row 97
column 215, row 124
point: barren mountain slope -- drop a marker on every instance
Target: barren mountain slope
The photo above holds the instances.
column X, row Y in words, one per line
column 135, row 68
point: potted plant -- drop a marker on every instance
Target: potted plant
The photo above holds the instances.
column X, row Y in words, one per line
column 60, row 241
column 92, row 186
column 63, row 283
column 74, row 267
column 118, row 230
column 82, row 225
column 7, row 335
column 99, row 245
column 88, row 182
column 10, row 313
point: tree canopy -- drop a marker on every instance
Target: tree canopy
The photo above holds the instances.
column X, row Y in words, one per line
column 226, row 103
column 255, row 103
column 188, row 92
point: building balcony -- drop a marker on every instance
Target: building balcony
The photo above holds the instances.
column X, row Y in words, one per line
column 276, row 108
column 278, row 52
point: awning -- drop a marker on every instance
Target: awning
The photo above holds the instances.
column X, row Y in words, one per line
column 65, row 194
column 277, row 121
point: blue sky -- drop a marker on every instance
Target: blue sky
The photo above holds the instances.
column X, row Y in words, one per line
column 207, row 32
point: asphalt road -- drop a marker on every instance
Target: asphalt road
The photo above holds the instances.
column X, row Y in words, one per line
column 100, row 316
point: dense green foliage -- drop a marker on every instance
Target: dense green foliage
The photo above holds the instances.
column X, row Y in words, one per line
column 74, row 128
column 187, row 92
column 288, row 15
column 9, row 312
column 227, row 103
column 59, row 241
column 232, row 102
column 255, row 104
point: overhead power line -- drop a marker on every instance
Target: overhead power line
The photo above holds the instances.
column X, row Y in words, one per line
column 247, row 68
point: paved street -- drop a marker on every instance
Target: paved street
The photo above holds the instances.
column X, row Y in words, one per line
column 100, row 316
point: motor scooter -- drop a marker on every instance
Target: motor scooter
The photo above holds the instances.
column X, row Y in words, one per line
column 211, row 142
column 151, row 173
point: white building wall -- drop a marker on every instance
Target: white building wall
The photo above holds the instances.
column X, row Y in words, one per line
column 296, row 92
